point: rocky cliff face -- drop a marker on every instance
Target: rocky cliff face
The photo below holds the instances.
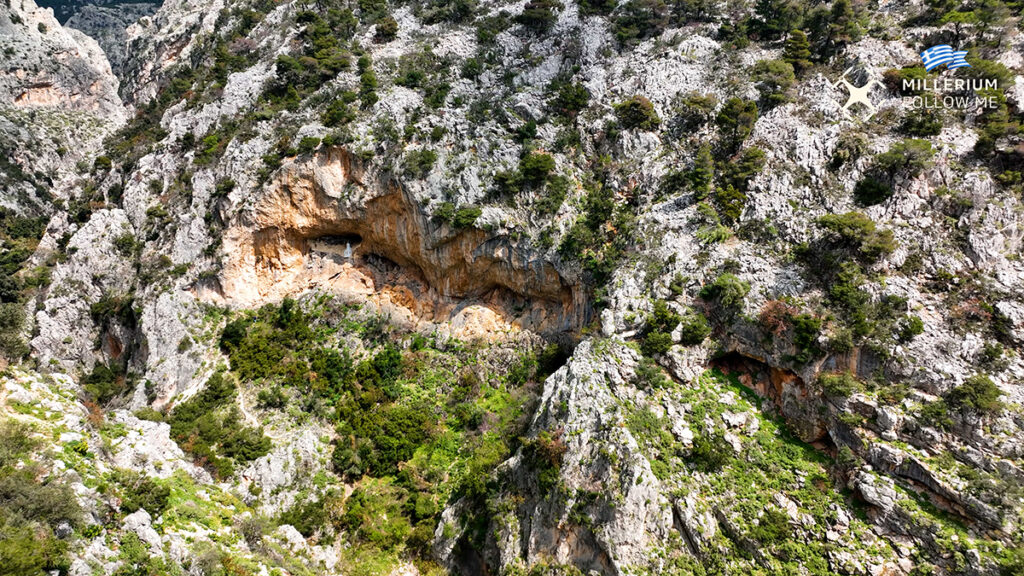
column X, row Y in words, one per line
column 507, row 288
column 58, row 100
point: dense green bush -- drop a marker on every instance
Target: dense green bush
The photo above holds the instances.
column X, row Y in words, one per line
column 539, row 14
column 140, row 491
column 694, row 329
column 907, row 158
column 858, row 236
column 466, row 216
column 806, row 329
column 104, row 383
column 797, row 52
column 977, row 394
column 728, row 290
column 656, row 334
column 921, row 123
column 649, row 376
column 419, row 163
column 772, row 527
column 306, row 517
column 839, row 384
column 710, row 452
column 535, row 168
column 31, row 509
column 870, row 191
column 570, row 99
column 735, row 121
column 773, row 79
column 374, row 442
column 640, row 19
column 386, row 31
column 910, row 327
column 637, row 112
column 208, row 427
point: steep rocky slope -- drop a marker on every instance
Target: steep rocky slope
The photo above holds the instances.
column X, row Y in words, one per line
column 519, row 288
column 58, row 100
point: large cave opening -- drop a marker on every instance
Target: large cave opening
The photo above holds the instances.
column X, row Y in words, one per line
column 327, row 224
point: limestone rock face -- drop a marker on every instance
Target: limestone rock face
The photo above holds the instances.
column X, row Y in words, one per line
column 58, row 100
column 95, row 270
column 109, row 27
column 603, row 476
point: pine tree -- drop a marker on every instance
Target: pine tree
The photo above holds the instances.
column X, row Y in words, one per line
column 843, row 26
column 775, row 17
column 703, row 172
column 798, row 51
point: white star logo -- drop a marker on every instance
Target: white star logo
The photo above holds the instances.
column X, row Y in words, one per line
column 858, row 94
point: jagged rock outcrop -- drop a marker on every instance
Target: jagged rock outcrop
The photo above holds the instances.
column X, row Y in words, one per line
column 597, row 506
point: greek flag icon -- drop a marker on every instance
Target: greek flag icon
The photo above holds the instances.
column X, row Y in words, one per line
column 944, row 54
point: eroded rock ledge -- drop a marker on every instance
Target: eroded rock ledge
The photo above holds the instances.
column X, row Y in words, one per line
column 332, row 223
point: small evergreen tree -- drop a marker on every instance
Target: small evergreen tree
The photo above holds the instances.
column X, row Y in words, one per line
column 797, row 52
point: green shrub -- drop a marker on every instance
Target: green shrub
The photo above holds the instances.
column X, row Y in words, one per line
column 306, row 517
column 903, row 81
column 910, row 328
column 308, row 145
column 140, row 491
column 921, row 123
column 337, row 113
column 649, row 376
column 535, row 168
column 870, row 191
column 694, row 330
column 739, row 172
column 419, row 163
column 466, row 217
column 839, row 384
column 655, row 343
column 571, row 99
column 772, row 527
column 539, row 14
column 373, row 514
column 730, row 203
column 977, row 394
column 909, row 158
column 735, row 121
column 710, row 452
column 773, row 79
column 371, row 11
column 104, row 383
column 806, row 329
column 208, row 427
column 126, row 244
column 30, row 510
column 727, row 289
column 640, row 19
column 797, row 51
column 637, row 112
column 856, row 233
column 386, row 31
column 936, row 414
